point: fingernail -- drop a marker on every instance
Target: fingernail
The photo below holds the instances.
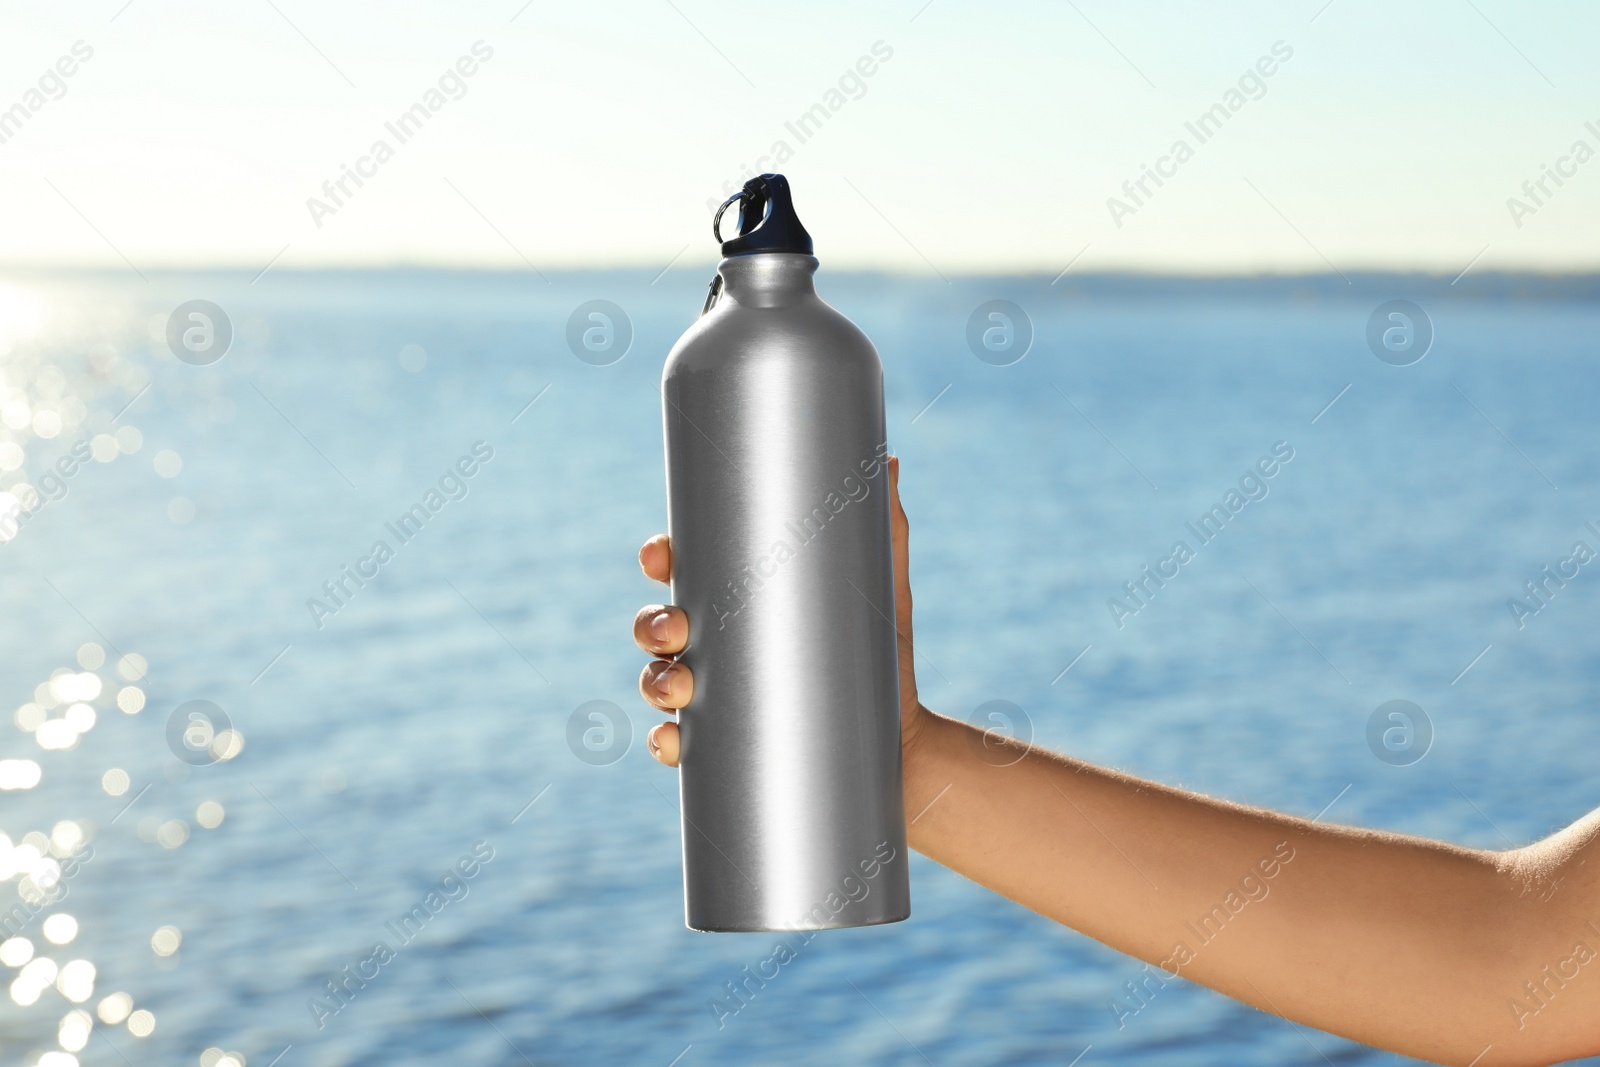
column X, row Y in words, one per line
column 654, row 742
column 663, row 682
column 658, row 626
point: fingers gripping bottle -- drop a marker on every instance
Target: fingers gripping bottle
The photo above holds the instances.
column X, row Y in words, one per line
column 778, row 510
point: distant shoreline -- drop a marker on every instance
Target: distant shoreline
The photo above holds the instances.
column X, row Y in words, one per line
column 1485, row 285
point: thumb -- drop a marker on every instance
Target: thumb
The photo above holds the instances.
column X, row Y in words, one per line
column 900, row 538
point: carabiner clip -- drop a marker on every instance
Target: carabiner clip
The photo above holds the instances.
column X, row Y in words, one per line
column 716, row 231
column 716, row 223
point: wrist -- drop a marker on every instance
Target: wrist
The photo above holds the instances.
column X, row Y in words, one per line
column 920, row 759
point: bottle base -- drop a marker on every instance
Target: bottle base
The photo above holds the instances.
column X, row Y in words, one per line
column 758, row 928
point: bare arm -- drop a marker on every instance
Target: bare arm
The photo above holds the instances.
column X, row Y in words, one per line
column 1428, row 949
column 1403, row 943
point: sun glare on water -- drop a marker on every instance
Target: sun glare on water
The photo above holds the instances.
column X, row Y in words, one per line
column 67, row 373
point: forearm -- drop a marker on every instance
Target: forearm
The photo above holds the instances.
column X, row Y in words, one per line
column 1400, row 942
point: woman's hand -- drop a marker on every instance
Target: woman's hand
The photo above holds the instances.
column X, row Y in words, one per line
column 663, row 630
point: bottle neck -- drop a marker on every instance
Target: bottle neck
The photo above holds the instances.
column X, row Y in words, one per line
column 768, row 279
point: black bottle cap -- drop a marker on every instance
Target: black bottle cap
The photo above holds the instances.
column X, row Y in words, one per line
column 767, row 222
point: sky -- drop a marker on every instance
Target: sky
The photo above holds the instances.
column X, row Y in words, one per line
column 947, row 137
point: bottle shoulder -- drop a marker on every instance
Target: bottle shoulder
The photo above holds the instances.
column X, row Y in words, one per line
column 809, row 328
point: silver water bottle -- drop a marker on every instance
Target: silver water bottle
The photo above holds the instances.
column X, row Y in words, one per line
column 778, row 510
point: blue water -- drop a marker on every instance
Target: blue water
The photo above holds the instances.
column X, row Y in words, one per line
column 424, row 714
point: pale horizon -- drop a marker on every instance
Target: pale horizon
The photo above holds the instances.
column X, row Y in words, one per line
column 922, row 138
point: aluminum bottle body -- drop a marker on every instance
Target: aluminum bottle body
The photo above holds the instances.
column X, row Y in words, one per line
column 778, row 509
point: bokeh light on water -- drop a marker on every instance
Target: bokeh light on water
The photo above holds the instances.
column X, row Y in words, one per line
column 71, row 368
